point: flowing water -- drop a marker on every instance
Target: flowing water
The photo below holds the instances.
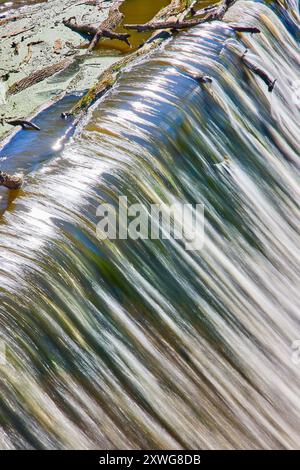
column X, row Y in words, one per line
column 142, row 344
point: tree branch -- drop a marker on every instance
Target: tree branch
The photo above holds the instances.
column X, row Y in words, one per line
column 261, row 73
column 105, row 30
column 26, row 125
column 212, row 15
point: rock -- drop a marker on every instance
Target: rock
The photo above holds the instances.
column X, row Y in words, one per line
column 11, row 181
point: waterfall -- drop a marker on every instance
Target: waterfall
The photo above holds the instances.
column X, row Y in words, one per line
column 141, row 343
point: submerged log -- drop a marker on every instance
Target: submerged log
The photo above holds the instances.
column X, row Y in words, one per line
column 10, row 181
column 270, row 82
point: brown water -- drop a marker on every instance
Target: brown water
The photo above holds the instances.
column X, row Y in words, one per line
column 135, row 12
column 140, row 12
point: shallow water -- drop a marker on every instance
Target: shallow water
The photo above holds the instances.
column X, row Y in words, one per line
column 142, row 344
column 29, row 150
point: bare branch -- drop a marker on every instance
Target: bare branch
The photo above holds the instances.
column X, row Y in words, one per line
column 212, row 15
column 26, row 125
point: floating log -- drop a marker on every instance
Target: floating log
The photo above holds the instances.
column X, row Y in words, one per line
column 10, row 181
column 169, row 24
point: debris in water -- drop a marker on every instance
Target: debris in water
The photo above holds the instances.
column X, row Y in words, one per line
column 258, row 71
column 104, row 30
column 213, row 14
column 11, row 181
column 245, row 29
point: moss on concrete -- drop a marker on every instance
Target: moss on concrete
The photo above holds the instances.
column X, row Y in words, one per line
column 36, row 39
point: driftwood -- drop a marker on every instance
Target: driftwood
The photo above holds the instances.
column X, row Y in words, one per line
column 214, row 14
column 258, row 71
column 104, row 30
column 95, row 33
column 38, row 76
column 26, row 125
column 169, row 24
column 106, row 33
column 85, row 29
column 170, row 18
column 10, row 181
